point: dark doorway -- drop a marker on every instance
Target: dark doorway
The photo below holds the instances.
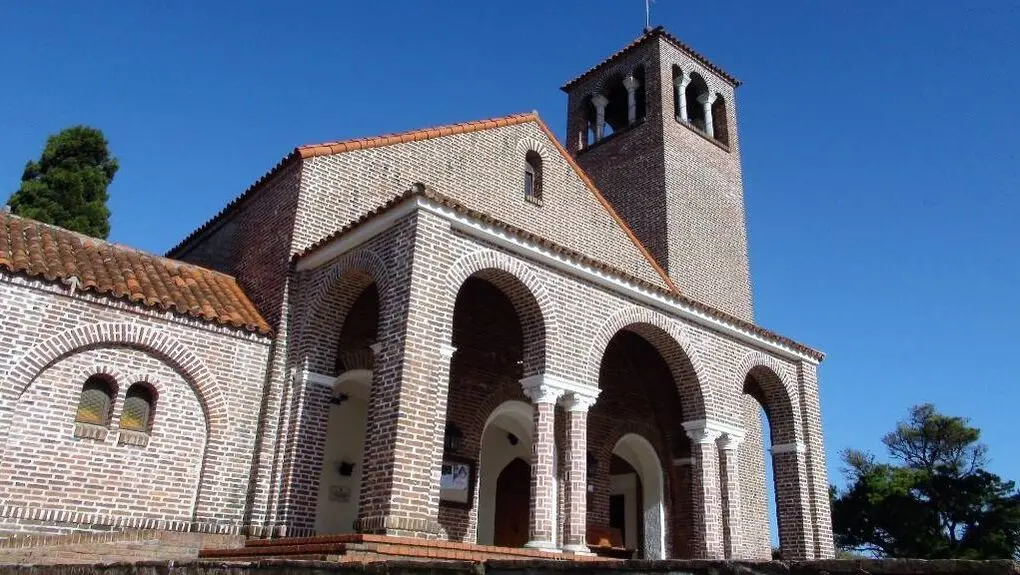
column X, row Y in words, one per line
column 513, row 503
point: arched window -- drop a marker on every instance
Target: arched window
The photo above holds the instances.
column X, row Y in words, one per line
column 533, row 176
column 720, row 129
column 139, row 407
column 696, row 88
column 96, row 402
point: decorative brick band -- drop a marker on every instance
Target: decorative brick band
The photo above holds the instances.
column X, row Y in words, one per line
column 90, row 521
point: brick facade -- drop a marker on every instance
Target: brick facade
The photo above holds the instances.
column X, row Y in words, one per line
column 457, row 296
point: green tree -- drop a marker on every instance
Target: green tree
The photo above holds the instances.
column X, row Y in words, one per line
column 935, row 500
column 67, row 186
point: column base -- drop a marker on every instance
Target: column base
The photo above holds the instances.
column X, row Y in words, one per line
column 577, row 549
column 543, row 546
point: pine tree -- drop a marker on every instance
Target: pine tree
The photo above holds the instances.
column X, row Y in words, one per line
column 67, row 187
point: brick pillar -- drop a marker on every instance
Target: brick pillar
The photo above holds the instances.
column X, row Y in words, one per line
column 818, row 478
column 542, row 517
column 793, row 499
column 576, row 486
column 729, row 470
column 404, row 442
column 707, row 505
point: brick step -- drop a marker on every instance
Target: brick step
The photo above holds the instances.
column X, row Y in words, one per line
column 365, row 548
column 283, row 549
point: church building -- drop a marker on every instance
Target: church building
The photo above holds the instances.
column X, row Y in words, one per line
column 473, row 333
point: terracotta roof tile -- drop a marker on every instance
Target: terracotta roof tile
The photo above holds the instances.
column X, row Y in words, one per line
column 34, row 249
column 656, row 32
column 430, row 194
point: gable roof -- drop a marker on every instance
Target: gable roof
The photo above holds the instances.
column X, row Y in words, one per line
column 339, row 147
column 422, row 191
column 657, row 32
column 38, row 250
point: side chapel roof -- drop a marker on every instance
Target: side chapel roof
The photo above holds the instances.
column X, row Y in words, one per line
column 37, row 250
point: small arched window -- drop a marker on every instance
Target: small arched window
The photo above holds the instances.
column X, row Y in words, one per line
column 697, row 89
column 96, row 402
column 720, row 128
column 139, row 407
column 533, row 176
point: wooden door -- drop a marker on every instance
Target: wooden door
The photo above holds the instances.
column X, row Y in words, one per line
column 513, row 503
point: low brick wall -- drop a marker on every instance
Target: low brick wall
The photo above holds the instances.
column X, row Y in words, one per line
column 282, row 567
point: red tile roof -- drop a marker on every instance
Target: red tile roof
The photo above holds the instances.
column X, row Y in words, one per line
column 657, row 32
column 39, row 250
column 421, row 190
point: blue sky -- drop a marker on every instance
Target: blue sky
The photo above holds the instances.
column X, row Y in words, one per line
column 880, row 141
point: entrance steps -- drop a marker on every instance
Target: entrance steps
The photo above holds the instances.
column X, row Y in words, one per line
column 370, row 548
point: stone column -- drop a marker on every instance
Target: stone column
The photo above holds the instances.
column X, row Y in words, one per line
column 600, row 102
column 680, row 89
column 576, row 496
column 542, row 517
column 706, row 100
column 631, row 84
column 707, row 504
column 729, row 468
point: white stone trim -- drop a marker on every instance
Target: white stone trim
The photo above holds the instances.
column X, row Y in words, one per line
column 317, row 378
column 630, row 289
column 719, row 427
column 446, row 351
column 794, row 447
column 359, row 235
column 561, row 387
column 682, row 461
column 536, row 252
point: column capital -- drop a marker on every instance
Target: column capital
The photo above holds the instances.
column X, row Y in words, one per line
column 600, row 101
column 707, row 99
column 681, row 81
column 551, row 388
column 577, row 402
column 631, row 83
column 730, row 441
column 709, row 430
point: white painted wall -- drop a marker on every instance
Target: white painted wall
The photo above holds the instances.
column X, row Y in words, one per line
column 337, row 507
column 496, row 453
column 640, row 454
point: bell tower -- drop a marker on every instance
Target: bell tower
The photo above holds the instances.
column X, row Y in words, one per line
column 654, row 125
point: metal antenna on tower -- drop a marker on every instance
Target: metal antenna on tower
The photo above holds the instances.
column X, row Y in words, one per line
column 648, row 15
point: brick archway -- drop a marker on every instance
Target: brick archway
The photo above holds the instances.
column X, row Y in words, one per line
column 769, row 382
column 531, row 299
column 365, row 264
column 148, row 340
column 685, row 363
column 775, row 391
